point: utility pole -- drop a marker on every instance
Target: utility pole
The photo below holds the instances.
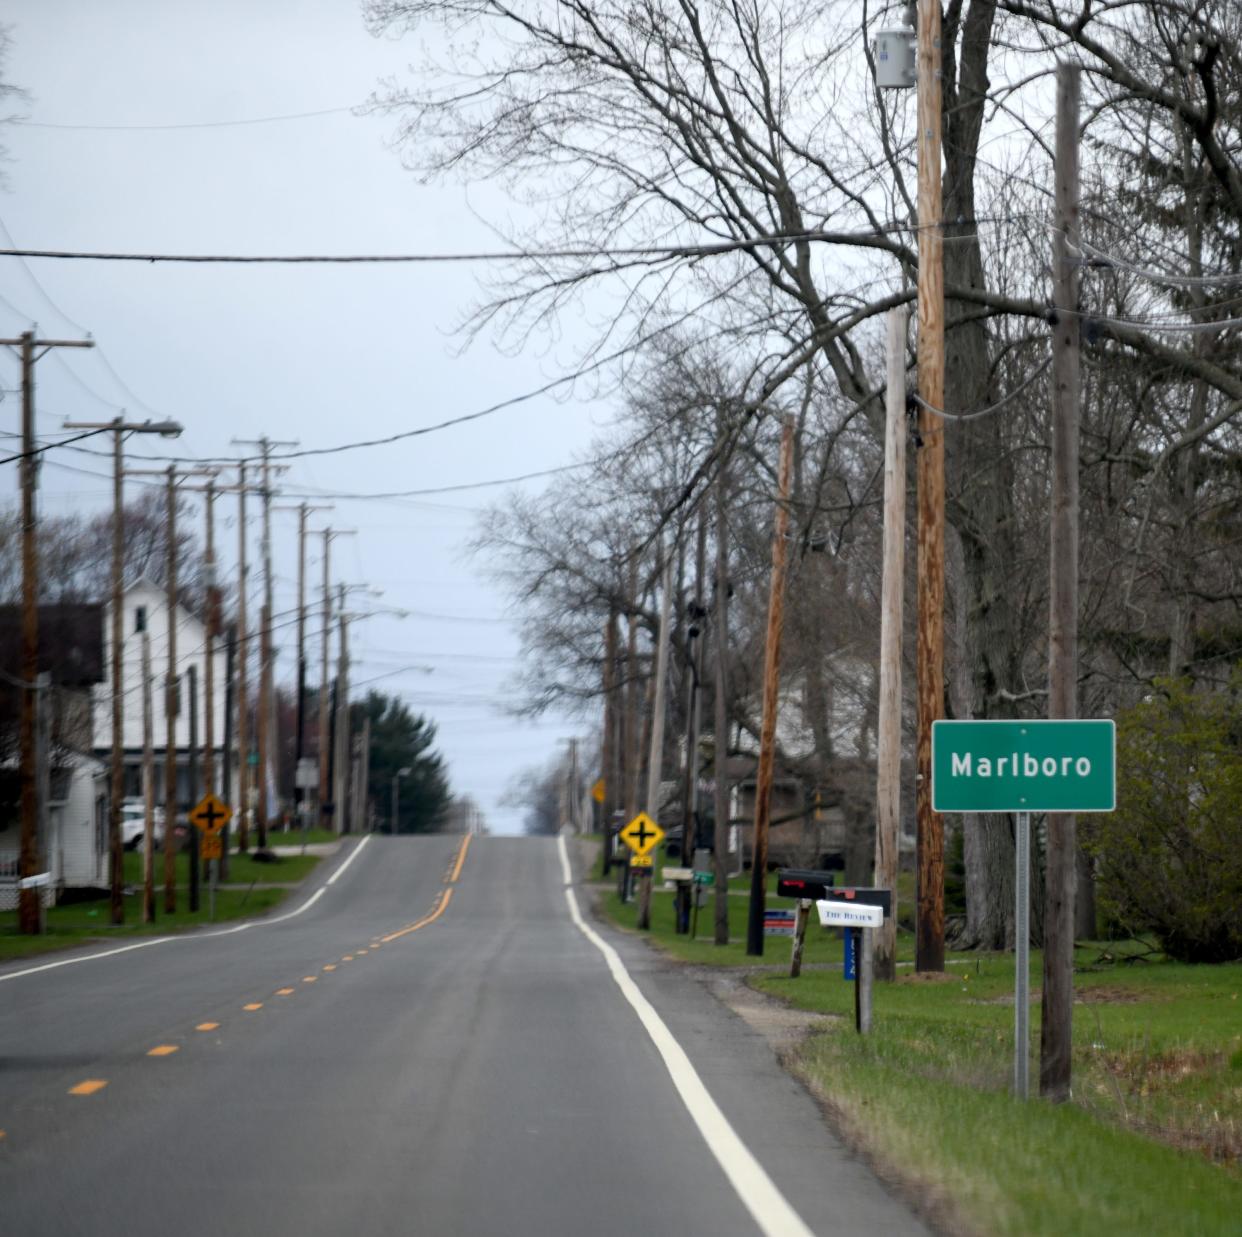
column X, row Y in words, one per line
column 121, row 429
column 266, row 737
column 148, row 786
column 607, row 755
column 171, row 693
column 341, row 790
column 720, row 708
column 655, row 760
column 29, row 862
column 888, row 743
column 771, row 687
column 192, row 841
column 1057, row 1000
column 630, row 792
column 300, row 738
column 695, row 639
column 325, row 784
column 929, row 945
column 243, row 654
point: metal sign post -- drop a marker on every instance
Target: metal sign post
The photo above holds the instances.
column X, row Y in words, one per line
column 1022, row 959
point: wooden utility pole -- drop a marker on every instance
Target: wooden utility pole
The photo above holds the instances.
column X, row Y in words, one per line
column 325, row 792
column 148, row 786
column 720, row 709
column 607, row 759
column 1057, row 1001
column 121, row 429
column 771, row 689
column 171, row 692
column 655, row 760
column 300, row 738
column 632, row 726
column 341, row 790
column 888, row 745
column 243, row 657
column 266, row 738
column 929, row 945
column 29, row 920
column 696, row 638
column 170, row 706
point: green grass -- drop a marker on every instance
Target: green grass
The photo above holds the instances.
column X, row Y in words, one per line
column 1150, row 1141
column 89, row 922
column 1157, row 1097
column 243, row 869
column 293, row 837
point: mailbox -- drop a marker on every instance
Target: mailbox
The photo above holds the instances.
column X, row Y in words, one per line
column 803, row 883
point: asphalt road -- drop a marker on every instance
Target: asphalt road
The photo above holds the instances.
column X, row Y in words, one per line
column 436, row 1044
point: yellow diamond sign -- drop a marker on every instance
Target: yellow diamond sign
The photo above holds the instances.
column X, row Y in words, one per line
column 642, row 834
column 597, row 791
column 210, row 815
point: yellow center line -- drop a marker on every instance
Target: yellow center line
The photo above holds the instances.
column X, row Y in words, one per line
column 461, row 858
column 162, row 1050
column 445, row 896
column 207, row 1026
column 284, row 991
column 253, row 1005
column 329, row 966
column 361, row 952
column 348, row 958
column 309, row 979
column 88, row 1086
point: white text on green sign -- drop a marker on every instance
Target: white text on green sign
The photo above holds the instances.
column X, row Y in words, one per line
column 1024, row 766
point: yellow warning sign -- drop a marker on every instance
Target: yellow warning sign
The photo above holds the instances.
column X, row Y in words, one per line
column 210, row 814
column 642, row 861
column 211, row 845
column 642, row 834
column 597, row 791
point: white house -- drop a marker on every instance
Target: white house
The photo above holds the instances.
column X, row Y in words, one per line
column 146, row 611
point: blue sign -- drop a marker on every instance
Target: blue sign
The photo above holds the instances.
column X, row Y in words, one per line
column 851, row 953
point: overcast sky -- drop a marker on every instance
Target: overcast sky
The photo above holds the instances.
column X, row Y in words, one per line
column 320, row 355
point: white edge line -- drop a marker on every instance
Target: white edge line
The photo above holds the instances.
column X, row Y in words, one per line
column 341, row 870
column 194, row 936
column 769, row 1208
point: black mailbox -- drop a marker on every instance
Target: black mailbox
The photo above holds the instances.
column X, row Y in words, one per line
column 803, row 883
column 818, row 886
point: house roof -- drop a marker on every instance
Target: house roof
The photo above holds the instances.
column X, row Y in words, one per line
column 70, row 643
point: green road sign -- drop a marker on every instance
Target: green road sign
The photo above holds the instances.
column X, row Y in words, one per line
column 1014, row 766
column 705, row 878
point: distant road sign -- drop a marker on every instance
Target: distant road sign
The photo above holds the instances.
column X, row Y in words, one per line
column 642, row 861
column 642, row 834
column 306, row 777
column 849, row 915
column 1016, row 766
column 597, row 791
column 210, row 814
column 211, row 845
column 778, row 923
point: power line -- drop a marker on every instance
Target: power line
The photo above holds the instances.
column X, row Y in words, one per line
column 202, row 124
column 636, row 252
column 991, row 408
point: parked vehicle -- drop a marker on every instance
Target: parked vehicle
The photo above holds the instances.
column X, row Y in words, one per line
column 133, row 824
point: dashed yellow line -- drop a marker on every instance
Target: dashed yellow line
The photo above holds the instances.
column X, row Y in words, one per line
column 309, row 979
column 253, row 1005
column 329, row 966
column 88, row 1086
column 348, row 958
column 284, row 991
column 207, row 1026
column 162, row 1050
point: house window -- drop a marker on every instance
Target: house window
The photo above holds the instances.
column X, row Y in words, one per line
column 140, row 619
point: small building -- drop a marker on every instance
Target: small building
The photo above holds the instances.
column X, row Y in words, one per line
column 145, row 614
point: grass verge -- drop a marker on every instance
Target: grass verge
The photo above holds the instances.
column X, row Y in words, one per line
column 1151, row 1140
column 83, row 923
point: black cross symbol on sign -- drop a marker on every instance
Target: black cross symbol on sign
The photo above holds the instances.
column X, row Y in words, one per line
column 642, row 833
column 211, row 816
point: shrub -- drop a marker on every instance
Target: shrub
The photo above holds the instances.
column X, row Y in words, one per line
column 1169, row 860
